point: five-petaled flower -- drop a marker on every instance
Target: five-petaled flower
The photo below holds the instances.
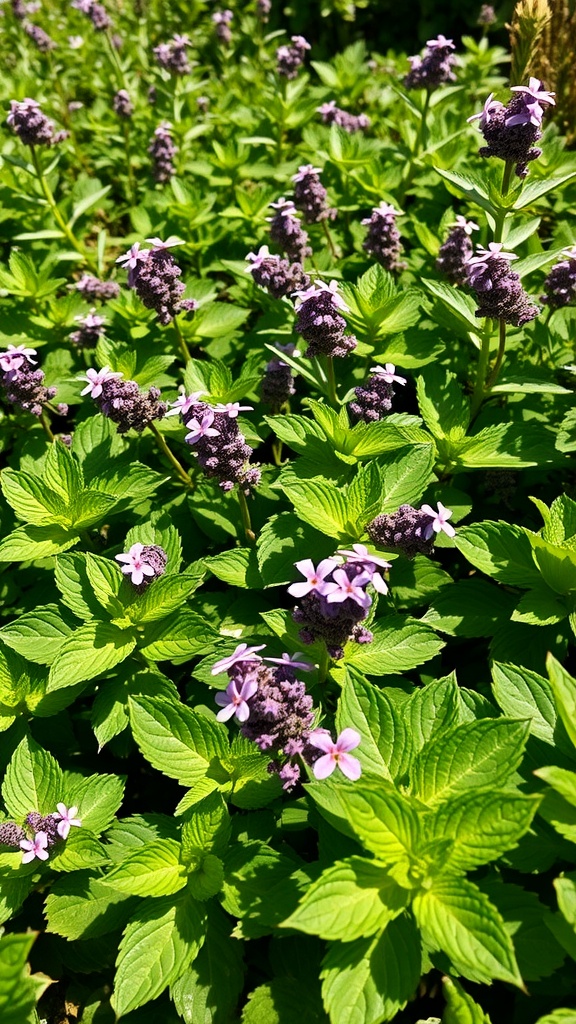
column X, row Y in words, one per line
column 343, row 588
column 133, row 257
column 96, row 378
column 15, row 355
column 336, row 753
column 233, row 700
column 242, row 653
column 485, row 116
column 157, row 243
column 388, row 373
column 315, row 578
column 135, row 566
column 439, row 521
column 361, row 556
column 233, row 408
column 183, row 404
column 201, row 428
column 302, row 296
column 34, row 848
column 66, row 817
column 292, row 661
column 533, row 95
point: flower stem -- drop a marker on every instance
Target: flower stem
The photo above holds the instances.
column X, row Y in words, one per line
column 493, row 376
column 114, row 59
column 502, row 214
column 184, row 476
column 483, row 359
column 245, row 513
column 47, row 191
column 323, row 665
column 331, row 379
column 46, row 426
column 181, row 341
column 330, row 240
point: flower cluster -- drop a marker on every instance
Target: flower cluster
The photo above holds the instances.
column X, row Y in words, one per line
column 511, row 131
column 411, row 530
column 434, row 67
column 310, row 195
column 222, row 20
column 263, row 8
column 498, row 289
column 291, row 58
column 32, row 126
column 39, row 37
column 143, row 563
column 219, row 444
column 92, row 289
column 320, row 323
column 162, row 150
column 122, row 401
column 331, row 114
column 278, row 276
column 374, row 398
column 122, row 104
column 383, row 238
column 22, row 385
column 287, row 232
column 95, row 11
column 40, row 832
column 457, row 250
column 333, row 599
column 155, row 277
column 276, row 713
column 560, row 283
column 278, row 381
column 91, row 329
column 487, row 15
column 172, row 55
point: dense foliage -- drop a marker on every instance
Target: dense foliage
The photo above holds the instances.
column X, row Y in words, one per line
column 288, row 546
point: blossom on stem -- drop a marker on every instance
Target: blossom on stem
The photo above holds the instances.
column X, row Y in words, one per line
column 66, row 818
column 336, row 754
column 434, row 67
column 15, row 356
column 331, row 114
column 439, row 522
column 499, row 290
column 242, row 653
column 343, row 588
column 291, row 58
column 234, row 700
column 296, row 660
column 34, row 848
column 136, row 567
column 560, row 283
column 315, row 578
column 511, row 131
column 382, row 240
column 201, row 428
column 96, row 378
column 456, row 251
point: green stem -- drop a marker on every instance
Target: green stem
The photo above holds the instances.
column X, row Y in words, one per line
column 181, row 341
column 331, row 378
column 245, row 513
column 277, row 451
column 493, row 377
column 330, row 240
column 422, row 137
column 181, row 472
column 46, row 426
column 483, row 359
column 280, row 143
column 115, row 60
column 47, row 191
column 132, row 194
column 323, row 665
column 502, row 214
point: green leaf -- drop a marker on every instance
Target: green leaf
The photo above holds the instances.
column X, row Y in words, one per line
column 238, row 568
column 38, row 635
column 176, row 740
column 283, row 540
column 369, row 980
column 540, row 607
column 318, row 502
column 383, row 729
column 62, row 472
column 71, row 578
column 30, row 542
column 522, row 693
column 33, row 781
column 180, row 637
column 534, row 190
column 152, row 870
column 501, row 550
column 351, row 900
column 385, row 436
column 460, row 1007
column 208, row 991
column 483, row 753
column 165, row 595
column 385, row 820
column 31, row 501
column 81, row 850
column 159, row 943
column 458, row 919
column 445, row 410
column 399, row 644
column 97, row 797
column 88, row 652
column 483, row 825
column 405, row 478
column 105, row 580
column 564, row 690
column 18, row 990
column 556, row 563
column 80, row 906
column 562, row 780
column 472, row 607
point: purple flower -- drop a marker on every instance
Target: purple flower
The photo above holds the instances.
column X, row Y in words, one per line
column 560, row 283
column 292, row 661
column 290, row 58
column 362, row 557
column 202, row 428
column 96, row 378
column 287, row 232
column 499, row 290
column 383, row 238
column 15, row 356
column 122, row 104
column 90, row 331
column 92, row 288
column 162, row 150
column 233, row 700
column 242, row 653
column 135, row 255
column 344, row 588
column 66, row 818
column 31, row 125
column 456, row 250
column 533, row 95
column 331, row 114
column 182, row 405
column 135, row 566
column 434, row 67
column 404, row 530
column 34, row 848
column 310, row 195
column 439, row 522
column 388, row 373
column 315, row 578
column 336, row 754
column 233, row 408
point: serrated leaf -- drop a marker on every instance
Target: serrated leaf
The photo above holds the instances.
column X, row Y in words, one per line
column 151, row 870
column 384, row 733
column 38, row 635
column 33, row 781
column 82, row 906
column 564, row 690
column 176, row 740
column 501, row 550
column 165, row 595
column 88, row 652
column 30, row 542
column 460, row 1006
column 182, row 636
column 483, row 825
column 399, row 644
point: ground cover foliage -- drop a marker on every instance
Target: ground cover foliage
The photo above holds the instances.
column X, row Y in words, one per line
column 288, row 546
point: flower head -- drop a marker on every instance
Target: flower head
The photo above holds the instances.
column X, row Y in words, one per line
column 96, row 378
column 234, row 700
column 136, row 567
column 388, row 372
column 15, row 356
column 344, row 588
column 304, row 171
column 292, row 661
column 201, row 428
column 34, row 848
column 315, row 577
column 233, row 408
column 242, row 653
column 468, row 226
column 439, row 521
column 157, row 243
column 336, row 754
column 133, row 257
column 485, row 115
column 183, row 404
column 66, row 817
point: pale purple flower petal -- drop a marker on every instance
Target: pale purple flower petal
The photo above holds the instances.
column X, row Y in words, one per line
column 242, row 653
column 66, row 817
column 439, row 521
column 336, row 753
column 34, row 848
column 234, row 700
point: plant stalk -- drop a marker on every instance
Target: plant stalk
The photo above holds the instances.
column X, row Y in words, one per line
column 493, row 376
column 179, row 469
column 181, row 341
column 49, row 197
column 245, row 513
